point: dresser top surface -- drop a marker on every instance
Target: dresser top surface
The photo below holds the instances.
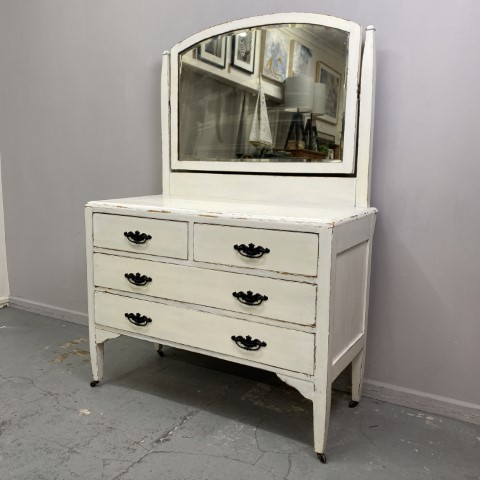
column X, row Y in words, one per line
column 317, row 214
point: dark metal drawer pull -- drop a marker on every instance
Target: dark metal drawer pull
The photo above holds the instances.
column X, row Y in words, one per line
column 137, row 279
column 250, row 250
column 137, row 237
column 137, row 319
column 250, row 298
column 247, row 343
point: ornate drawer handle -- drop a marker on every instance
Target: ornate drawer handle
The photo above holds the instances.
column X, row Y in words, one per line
column 250, row 250
column 137, row 279
column 250, row 298
column 137, row 319
column 247, row 343
column 137, row 237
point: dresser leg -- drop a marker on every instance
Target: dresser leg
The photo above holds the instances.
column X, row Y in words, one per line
column 96, row 358
column 159, row 348
column 357, row 377
column 321, row 418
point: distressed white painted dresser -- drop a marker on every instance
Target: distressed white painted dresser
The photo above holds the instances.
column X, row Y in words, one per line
column 258, row 251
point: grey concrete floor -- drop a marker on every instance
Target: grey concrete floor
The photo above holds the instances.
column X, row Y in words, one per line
column 191, row 417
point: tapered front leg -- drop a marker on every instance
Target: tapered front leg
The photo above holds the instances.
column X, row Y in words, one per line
column 358, row 364
column 98, row 337
column 96, row 358
column 321, row 417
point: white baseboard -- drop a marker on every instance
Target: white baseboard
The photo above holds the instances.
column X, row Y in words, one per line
column 427, row 402
column 49, row 310
column 435, row 404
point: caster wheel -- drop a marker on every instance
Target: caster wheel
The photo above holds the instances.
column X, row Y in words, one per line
column 352, row 404
column 160, row 353
column 94, row 383
column 322, row 457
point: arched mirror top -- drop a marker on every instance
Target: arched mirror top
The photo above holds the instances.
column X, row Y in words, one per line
column 270, row 94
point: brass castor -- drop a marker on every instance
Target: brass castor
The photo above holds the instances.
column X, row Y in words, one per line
column 322, row 457
column 352, row 404
column 94, row 383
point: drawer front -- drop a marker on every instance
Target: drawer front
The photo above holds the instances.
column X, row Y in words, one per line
column 288, row 349
column 288, row 301
column 168, row 238
column 289, row 252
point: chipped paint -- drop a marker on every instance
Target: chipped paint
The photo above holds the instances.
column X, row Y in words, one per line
column 81, row 353
column 71, row 343
column 63, row 356
column 168, row 212
column 60, row 358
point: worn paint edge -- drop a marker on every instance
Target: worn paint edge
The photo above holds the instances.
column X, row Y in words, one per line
column 427, row 402
column 49, row 310
column 4, row 302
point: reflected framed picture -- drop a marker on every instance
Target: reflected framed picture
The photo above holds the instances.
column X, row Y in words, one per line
column 243, row 51
column 325, row 138
column 275, row 49
column 213, row 51
column 332, row 80
column 300, row 60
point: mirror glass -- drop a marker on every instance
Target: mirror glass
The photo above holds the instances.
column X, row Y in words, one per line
column 273, row 93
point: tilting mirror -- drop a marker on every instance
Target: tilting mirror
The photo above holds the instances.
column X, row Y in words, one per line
column 267, row 94
column 273, row 97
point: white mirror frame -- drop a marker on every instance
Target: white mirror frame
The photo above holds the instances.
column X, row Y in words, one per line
column 346, row 167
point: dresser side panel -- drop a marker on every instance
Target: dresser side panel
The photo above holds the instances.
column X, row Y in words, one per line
column 351, row 270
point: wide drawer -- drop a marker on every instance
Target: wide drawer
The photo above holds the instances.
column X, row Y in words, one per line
column 287, row 349
column 288, row 301
column 131, row 234
column 288, row 252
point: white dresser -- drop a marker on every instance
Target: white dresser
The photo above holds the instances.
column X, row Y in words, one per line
column 265, row 270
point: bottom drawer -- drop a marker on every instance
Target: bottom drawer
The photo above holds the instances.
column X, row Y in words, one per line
column 287, row 349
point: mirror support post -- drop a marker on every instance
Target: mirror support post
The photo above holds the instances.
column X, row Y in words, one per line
column 165, row 118
column 365, row 120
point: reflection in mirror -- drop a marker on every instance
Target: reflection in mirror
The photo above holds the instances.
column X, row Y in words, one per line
column 268, row 94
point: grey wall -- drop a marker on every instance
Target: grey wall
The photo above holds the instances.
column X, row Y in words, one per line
column 79, row 120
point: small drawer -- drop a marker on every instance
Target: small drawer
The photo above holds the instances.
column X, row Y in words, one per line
column 275, row 250
column 284, row 300
column 150, row 236
column 268, row 345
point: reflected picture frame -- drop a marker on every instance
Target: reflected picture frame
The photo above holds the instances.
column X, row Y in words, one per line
column 214, row 51
column 243, row 51
column 333, row 81
column 275, row 54
column 300, row 60
column 325, row 138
